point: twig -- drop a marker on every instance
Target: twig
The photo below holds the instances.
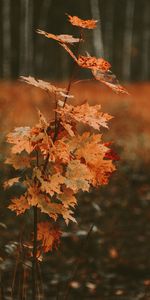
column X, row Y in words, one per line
column 34, row 253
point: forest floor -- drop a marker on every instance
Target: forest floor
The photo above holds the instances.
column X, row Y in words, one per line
column 106, row 256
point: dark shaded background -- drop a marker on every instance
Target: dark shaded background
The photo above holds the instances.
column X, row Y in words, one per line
column 122, row 37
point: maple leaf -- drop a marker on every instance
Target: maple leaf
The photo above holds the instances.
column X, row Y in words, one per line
column 19, row 205
column 60, row 151
column 8, row 183
column 78, row 176
column 93, row 63
column 47, row 86
column 101, row 172
column 109, row 79
column 48, row 235
column 62, row 38
column 19, row 161
column 54, row 209
column 35, row 197
column 76, row 21
column 50, row 184
column 20, row 137
column 90, row 149
column 67, row 198
column 88, row 115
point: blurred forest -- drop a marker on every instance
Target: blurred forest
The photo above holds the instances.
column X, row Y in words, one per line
column 122, row 37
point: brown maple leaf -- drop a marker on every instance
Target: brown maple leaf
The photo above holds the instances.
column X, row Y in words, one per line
column 109, row 79
column 45, row 85
column 19, row 161
column 76, row 21
column 62, row 38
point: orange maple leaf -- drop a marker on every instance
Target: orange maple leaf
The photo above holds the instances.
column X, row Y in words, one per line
column 76, row 21
column 20, row 137
column 91, row 62
column 48, row 235
column 19, row 205
column 88, row 115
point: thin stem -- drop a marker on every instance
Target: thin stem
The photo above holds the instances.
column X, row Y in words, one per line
column 34, row 253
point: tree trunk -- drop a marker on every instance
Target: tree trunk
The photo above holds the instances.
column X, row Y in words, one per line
column 26, row 37
column 146, row 41
column 127, row 43
column 97, row 33
column 108, row 34
column 6, row 38
column 43, row 20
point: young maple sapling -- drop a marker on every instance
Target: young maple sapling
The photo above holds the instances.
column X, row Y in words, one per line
column 58, row 159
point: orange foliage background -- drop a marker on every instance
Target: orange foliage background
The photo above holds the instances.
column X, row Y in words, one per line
column 131, row 124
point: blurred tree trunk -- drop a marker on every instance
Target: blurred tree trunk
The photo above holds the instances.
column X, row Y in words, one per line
column 146, row 41
column 42, row 24
column 127, row 43
column 97, row 33
column 6, row 29
column 108, row 34
column 26, row 37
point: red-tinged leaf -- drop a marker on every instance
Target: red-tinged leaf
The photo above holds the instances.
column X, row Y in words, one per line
column 45, row 85
column 76, row 21
column 19, row 205
column 48, row 235
column 112, row 155
column 62, row 38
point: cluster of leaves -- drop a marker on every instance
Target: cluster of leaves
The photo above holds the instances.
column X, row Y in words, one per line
column 58, row 160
